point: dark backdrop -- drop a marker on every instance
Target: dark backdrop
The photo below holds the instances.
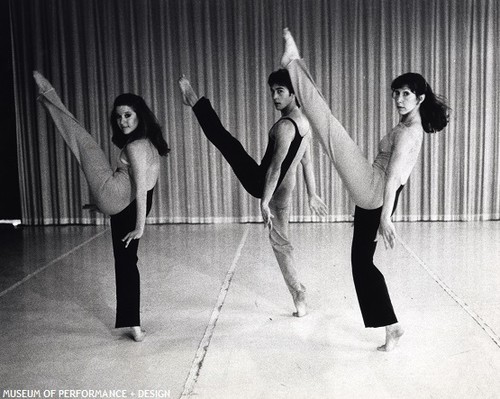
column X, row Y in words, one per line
column 10, row 207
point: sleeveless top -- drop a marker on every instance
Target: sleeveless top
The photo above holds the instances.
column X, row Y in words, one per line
column 123, row 158
column 384, row 153
column 292, row 152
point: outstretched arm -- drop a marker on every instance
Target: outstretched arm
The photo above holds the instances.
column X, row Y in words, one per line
column 283, row 133
column 137, row 152
column 315, row 202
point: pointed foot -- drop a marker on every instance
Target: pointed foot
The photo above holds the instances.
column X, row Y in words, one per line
column 291, row 52
column 43, row 84
column 189, row 97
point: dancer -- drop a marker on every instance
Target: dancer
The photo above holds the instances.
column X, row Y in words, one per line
column 274, row 179
column 373, row 187
column 125, row 194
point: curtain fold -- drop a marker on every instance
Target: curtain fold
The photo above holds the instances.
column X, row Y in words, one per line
column 93, row 50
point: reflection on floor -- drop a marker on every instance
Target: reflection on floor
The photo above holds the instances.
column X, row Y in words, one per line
column 218, row 314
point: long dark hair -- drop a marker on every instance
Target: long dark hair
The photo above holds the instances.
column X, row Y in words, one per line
column 434, row 111
column 148, row 126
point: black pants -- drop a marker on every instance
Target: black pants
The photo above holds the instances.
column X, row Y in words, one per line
column 371, row 289
column 126, row 271
column 250, row 174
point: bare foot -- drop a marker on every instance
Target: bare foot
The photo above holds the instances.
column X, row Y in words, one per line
column 299, row 299
column 189, row 97
column 43, row 84
column 291, row 51
column 137, row 334
column 392, row 335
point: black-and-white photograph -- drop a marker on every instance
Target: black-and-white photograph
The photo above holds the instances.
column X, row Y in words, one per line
column 250, row 199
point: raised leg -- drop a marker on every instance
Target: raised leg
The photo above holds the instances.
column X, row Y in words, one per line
column 248, row 172
column 111, row 191
column 357, row 173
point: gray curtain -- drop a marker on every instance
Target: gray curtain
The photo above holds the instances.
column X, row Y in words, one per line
column 93, row 50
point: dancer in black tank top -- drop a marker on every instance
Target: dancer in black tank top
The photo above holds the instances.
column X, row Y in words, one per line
column 273, row 180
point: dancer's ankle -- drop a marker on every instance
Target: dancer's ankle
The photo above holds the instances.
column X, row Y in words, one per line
column 393, row 333
column 299, row 300
column 137, row 333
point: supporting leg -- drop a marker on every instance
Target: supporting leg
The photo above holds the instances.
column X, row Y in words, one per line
column 126, row 270
column 371, row 289
column 283, row 250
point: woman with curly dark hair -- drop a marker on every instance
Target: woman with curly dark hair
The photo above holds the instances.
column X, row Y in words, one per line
column 125, row 193
column 373, row 187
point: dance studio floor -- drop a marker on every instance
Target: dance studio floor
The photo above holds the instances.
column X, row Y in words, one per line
column 218, row 314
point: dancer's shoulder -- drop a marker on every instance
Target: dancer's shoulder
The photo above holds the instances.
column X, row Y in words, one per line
column 138, row 145
column 300, row 121
column 282, row 133
column 284, row 126
column 408, row 139
column 287, row 122
column 139, row 149
column 408, row 133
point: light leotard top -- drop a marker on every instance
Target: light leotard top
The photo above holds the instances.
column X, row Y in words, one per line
column 384, row 152
column 123, row 159
column 152, row 164
column 124, row 162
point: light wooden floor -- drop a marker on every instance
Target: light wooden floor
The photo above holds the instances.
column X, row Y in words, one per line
column 218, row 314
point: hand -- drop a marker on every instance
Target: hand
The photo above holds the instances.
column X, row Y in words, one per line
column 266, row 215
column 317, row 205
column 388, row 232
column 133, row 235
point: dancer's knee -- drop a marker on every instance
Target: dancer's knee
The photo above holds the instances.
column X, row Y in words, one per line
column 280, row 243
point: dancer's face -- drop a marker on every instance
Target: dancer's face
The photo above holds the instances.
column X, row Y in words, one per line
column 126, row 118
column 281, row 97
column 405, row 100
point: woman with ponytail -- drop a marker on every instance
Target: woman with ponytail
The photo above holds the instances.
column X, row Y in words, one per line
column 374, row 187
column 433, row 111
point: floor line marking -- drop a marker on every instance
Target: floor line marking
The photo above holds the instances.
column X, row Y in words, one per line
column 199, row 357
column 41, row 269
column 493, row 336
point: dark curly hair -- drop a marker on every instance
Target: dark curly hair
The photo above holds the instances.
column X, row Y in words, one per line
column 148, row 126
column 434, row 111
